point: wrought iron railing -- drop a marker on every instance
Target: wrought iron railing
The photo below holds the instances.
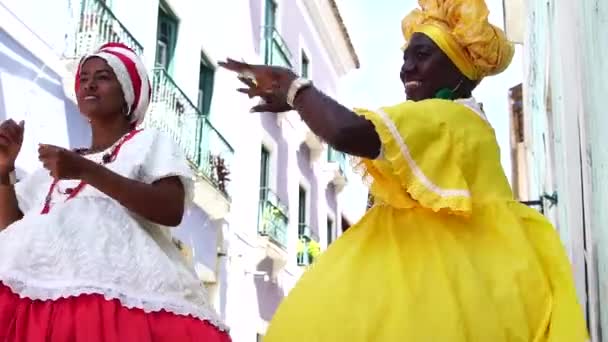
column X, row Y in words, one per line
column 304, row 239
column 97, row 25
column 272, row 217
column 214, row 155
column 172, row 112
column 276, row 51
column 304, row 231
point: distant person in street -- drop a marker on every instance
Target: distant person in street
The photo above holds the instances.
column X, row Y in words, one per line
column 445, row 253
column 85, row 251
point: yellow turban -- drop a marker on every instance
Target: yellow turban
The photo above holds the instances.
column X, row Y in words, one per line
column 461, row 30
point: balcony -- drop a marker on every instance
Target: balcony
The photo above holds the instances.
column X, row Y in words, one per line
column 338, row 163
column 98, row 25
column 210, row 155
column 272, row 218
column 276, row 51
column 308, row 247
column 214, row 155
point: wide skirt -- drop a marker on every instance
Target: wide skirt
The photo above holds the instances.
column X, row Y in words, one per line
column 413, row 275
column 92, row 318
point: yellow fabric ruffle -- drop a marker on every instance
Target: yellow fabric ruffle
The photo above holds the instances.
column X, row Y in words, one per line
column 421, row 154
column 462, row 30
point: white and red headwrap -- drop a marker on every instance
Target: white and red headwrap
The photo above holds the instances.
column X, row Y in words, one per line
column 131, row 74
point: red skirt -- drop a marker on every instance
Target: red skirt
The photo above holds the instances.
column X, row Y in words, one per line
column 92, row 318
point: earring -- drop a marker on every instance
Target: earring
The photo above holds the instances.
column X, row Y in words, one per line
column 448, row 94
column 445, row 94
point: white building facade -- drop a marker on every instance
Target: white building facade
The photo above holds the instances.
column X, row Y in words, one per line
column 563, row 134
column 269, row 193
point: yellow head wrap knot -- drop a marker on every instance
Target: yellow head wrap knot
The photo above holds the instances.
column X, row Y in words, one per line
column 462, row 31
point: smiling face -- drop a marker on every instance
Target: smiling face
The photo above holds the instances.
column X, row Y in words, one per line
column 426, row 70
column 99, row 94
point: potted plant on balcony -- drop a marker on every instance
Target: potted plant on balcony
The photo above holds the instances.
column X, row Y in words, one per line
column 220, row 174
column 308, row 250
column 314, row 250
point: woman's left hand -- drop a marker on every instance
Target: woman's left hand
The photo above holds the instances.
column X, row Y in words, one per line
column 62, row 163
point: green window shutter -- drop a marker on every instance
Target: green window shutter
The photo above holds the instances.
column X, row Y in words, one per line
column 205, row 87
column 166, row 39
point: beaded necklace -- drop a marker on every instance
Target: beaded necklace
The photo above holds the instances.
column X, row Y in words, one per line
column 107, row 158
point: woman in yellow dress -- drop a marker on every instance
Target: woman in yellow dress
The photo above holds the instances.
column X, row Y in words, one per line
column 445, row 253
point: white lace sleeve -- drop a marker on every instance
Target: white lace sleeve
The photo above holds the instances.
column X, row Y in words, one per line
column 166, row 159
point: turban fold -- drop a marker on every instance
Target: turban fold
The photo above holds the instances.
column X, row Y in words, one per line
column 462, row 31
column 131, row 74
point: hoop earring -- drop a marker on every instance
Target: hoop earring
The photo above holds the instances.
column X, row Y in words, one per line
column 126, row 111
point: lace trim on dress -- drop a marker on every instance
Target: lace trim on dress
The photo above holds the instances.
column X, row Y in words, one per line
column 129, row 299
column 474, row 106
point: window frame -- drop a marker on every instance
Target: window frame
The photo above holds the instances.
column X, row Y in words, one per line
column 166, row 16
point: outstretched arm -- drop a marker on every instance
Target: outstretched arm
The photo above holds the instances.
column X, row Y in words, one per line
column 334, row 123
column 337, row 125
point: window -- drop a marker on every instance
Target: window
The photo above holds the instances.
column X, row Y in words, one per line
column 264, row 172
column 206, row 77
column 270, row 15
column 304, row 65
column 270, row 20
column 345, row 224
column 517, row 115
column 518, row 124
column 166, row 37
column 330, row 231
column 302, row 219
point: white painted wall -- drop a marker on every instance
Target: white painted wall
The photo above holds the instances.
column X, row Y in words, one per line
column 32, row 82
column 35, row 86
column 558, row 70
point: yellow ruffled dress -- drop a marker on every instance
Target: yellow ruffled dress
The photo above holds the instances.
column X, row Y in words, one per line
column 445, row 254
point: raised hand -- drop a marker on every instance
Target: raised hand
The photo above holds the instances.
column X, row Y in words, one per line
column 11, row 139
column 269, row 83
column 62, row 163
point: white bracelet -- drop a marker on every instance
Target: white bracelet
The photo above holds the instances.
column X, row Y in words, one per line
column 12, row 178
column 295, row 87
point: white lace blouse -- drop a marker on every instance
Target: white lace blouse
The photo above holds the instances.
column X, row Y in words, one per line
column 92, row 244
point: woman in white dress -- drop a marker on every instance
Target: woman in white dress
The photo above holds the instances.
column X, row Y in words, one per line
column 84, row 249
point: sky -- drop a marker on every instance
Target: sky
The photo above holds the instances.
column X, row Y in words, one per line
column 375, row 29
